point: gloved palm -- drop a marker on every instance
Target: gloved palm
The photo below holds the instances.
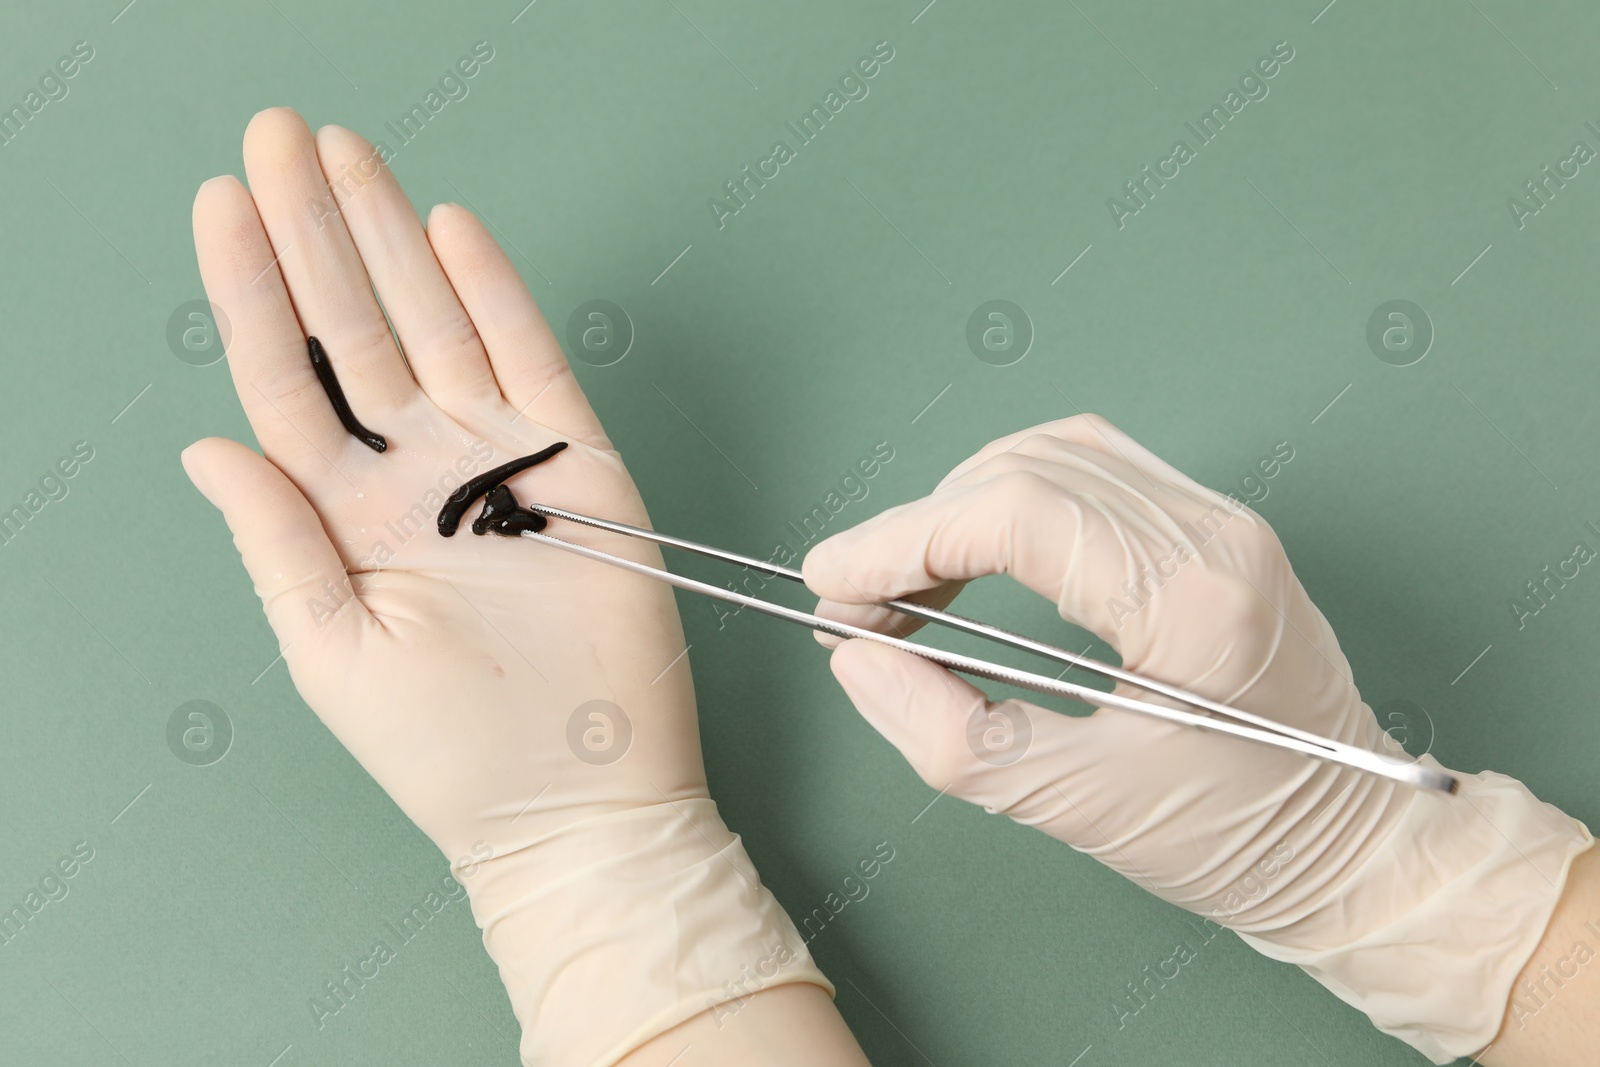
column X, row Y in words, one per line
column 450, row 668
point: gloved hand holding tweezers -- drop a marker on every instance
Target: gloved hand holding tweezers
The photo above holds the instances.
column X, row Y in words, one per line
column 1417, row 907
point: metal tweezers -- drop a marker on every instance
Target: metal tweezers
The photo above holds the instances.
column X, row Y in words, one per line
column 1207, row 714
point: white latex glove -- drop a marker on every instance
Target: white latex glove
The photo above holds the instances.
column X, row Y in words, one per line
column 1417, row 908
column 460, row 671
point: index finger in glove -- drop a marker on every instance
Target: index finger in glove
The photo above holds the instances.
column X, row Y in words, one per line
column 937, row 582
column 956, row 534
column 1086, row 431
column 1091, row 541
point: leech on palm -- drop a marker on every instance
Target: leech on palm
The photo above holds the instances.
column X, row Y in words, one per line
column 521, row 635
column 458, row 670
column 501, row 514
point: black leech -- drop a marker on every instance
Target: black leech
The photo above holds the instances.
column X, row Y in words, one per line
column 341, row 406
column 455, row 508
column 521, row 519
column 502, row 515
column 497, row 504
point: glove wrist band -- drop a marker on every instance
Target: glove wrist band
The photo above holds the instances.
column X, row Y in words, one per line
column 1438, row 976
column 620, row 927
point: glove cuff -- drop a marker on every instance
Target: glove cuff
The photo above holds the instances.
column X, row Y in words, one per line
column 1438, row 976
column 620, row 927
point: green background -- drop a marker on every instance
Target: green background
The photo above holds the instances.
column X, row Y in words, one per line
column 825, row 317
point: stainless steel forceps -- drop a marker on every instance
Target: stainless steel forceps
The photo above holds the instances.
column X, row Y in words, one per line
column 1229, row 720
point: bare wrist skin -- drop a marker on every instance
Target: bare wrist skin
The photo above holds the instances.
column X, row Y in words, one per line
column 787, row 1026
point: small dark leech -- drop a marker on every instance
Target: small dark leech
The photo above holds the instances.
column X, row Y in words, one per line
column 455, row 508
column 502, row 515
column 497, row 504
column 341, row 406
